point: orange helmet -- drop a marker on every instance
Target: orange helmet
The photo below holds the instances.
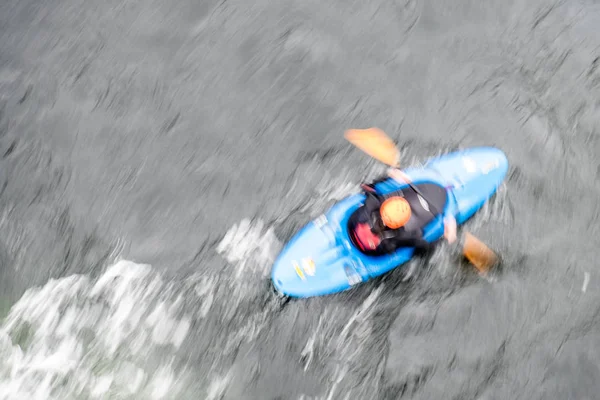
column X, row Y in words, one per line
column 395, row 212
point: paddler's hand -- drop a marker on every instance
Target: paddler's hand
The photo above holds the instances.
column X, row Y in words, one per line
column 450, row 229
column 398, row 175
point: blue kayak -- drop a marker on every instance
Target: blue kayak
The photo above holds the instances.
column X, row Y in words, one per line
column 322, row 258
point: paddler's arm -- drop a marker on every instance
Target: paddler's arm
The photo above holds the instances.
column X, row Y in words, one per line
column 450, row 220
column 450, row 228
column 393, row 173
column 412, row 239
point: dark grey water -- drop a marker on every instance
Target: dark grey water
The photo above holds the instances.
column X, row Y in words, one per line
column 156, row 155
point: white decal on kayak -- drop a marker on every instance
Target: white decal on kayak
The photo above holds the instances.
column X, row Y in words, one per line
column 320, row 221
column 423, row 203
column 469, row 164
column 309, row 266
column 353, row 277
column 490, row 166
column 457, row 182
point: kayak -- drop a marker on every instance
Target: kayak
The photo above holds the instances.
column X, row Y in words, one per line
column 323, row 259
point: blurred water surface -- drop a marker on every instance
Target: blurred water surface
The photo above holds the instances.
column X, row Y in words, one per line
column 155, row 156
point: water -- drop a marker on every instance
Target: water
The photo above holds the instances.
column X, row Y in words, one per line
column 155, row 157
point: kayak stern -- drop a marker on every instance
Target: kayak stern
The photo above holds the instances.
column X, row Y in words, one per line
column 313, row 263
column 475, row 174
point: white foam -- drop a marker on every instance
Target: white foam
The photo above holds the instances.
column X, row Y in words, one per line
column 358, row 326
column 345, row 347
column 217, row 387
column 162, row 382
column 204, row 290
column 101, row 386
column 586, row 280
column 495, row 210
column 79, row 337
column 250, row 248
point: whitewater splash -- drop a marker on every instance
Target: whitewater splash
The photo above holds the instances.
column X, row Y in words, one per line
column 497, row 209
column 78, row 337
column 347, row 349
column 250, row 247
column 118, row 335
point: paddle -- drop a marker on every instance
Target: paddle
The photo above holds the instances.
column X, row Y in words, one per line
column 481, row 256
column 380, row 146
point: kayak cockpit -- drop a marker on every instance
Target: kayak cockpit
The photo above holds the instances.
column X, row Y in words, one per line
column 435, row 198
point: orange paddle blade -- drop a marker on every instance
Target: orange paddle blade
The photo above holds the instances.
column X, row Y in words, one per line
column 375, row 143
column 478, row 253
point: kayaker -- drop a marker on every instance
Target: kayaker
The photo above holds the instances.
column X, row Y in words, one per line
column 386, row 223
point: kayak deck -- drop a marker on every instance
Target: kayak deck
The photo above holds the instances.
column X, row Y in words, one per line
column 321, row 258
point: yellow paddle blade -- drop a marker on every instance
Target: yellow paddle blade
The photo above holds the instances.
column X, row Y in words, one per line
column 481, row 256
column 375, row 143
